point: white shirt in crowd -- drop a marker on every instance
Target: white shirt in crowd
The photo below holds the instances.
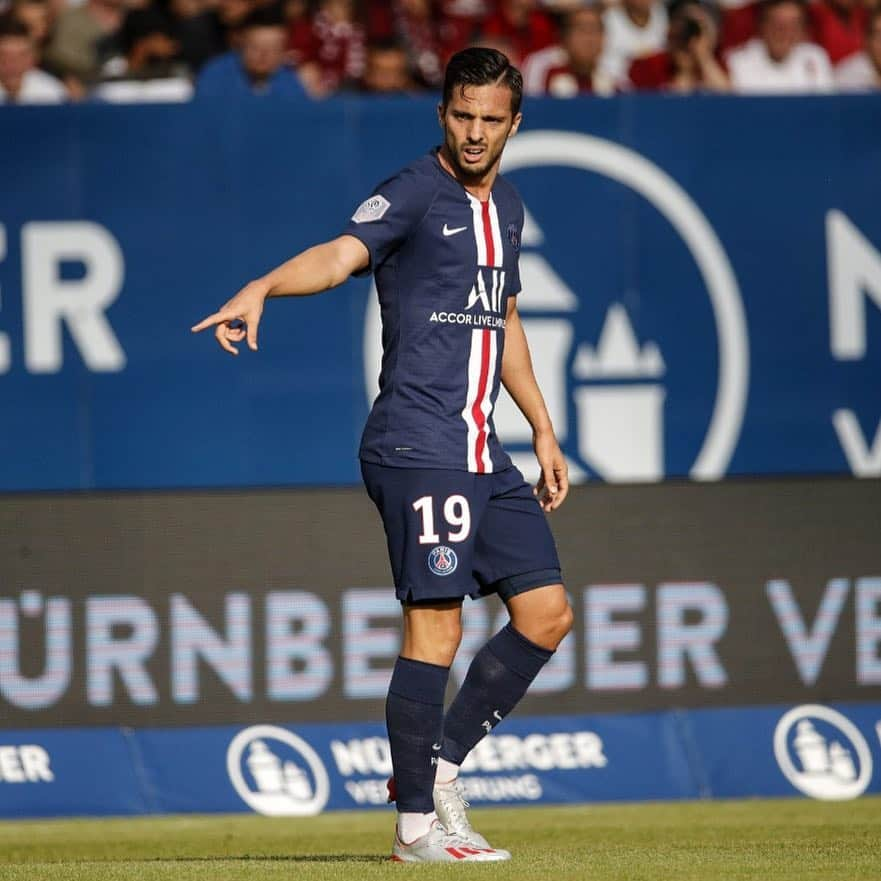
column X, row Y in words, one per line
column 537, row 66
column 625, row 41
column 171, row 90
column 857, row 74
column 805, row 69
column 37, row 87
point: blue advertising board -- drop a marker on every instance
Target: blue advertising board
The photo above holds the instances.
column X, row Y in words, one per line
column 817, row 751
column 701, row 281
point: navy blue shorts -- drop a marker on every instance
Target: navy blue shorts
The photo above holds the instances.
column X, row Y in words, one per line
column 454, row 533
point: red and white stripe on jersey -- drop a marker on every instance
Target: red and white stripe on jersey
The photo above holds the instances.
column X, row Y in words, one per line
column 484, row 344
column 487, row 231
column 478, row 403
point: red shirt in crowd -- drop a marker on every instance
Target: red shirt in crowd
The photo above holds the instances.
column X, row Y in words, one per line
column 560, row 79
column 652, row 72
column 739, row 25
column 840, row 33
column 537, row 33
column 338, row 47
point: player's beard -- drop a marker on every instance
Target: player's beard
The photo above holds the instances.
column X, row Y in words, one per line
column 471, row 173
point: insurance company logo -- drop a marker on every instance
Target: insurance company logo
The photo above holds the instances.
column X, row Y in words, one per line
column 822, row 753
column 610, row 390
column 442, row 560
column 277, row 773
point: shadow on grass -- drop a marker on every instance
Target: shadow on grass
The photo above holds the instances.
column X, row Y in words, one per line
column 274, row 858
column 229, row 858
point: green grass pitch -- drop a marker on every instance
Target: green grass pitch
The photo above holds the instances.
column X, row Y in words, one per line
column 698, row 841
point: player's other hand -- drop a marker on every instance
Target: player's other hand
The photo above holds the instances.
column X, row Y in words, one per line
column 238, row 319
column 553, row 485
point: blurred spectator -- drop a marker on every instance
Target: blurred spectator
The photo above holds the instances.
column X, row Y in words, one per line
column 388, row 69
column 690, row 63
column 460, row 22
column 519, row 23
column 37, row 16
column 633, row 29
column 779, row 60
column 739, row 23
column 299, row 22
column 862, row 72
column 149, row 70
column 21, row 82
column 257, row 67
column 199, row 33
column 580, row 68
column 230, row 15
column 839, row 26
column 415, row 24
column 338, row 52
column 83, row 38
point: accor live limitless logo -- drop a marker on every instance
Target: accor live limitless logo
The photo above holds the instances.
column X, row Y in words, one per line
column 484, row 306
column 632, row 637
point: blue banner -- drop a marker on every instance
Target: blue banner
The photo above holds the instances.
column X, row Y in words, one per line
column 701, row 281
column 816, row 751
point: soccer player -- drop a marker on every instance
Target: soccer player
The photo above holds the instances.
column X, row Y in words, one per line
column 442, row 238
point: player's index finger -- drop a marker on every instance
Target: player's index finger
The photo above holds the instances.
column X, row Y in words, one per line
column 205, row 323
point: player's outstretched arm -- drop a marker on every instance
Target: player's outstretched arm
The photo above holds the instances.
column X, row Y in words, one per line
column 314, row 270
column 519, row 379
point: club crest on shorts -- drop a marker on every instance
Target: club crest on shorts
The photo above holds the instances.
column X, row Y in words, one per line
column 442, row 560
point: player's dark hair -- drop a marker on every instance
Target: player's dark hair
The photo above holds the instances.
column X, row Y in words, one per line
column 479, row 66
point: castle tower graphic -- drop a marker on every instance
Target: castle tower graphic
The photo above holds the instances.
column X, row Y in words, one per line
column 619, row 403
column 274, row 777
column 817, row 756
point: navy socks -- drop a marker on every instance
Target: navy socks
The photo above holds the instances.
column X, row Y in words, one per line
column 497, row 679
column 414, row 714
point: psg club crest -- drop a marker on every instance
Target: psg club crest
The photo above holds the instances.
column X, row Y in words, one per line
column 513, row 238
column 442, row 560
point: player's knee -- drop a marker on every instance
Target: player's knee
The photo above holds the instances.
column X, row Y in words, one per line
column 548, row 624
column 556, row 623
column 434, row 644
column 565, row 622
column 447, row 639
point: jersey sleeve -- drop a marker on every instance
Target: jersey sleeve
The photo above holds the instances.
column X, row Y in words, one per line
column 395, row 209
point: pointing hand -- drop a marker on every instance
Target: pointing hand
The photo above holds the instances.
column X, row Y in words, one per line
column 238, row 319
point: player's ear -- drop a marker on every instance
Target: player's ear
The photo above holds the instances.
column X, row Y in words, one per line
column 515, row 125
column 440, row 115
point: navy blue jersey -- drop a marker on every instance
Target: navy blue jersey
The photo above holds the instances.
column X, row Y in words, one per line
column 445, row 264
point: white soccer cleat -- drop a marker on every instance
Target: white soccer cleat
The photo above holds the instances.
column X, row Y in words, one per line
column 439, row 846
column 450, row 804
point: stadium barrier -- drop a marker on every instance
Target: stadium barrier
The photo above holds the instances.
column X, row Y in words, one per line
column 230, row 651
column 701, row 277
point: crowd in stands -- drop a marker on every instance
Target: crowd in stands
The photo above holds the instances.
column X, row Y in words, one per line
column 176, row 50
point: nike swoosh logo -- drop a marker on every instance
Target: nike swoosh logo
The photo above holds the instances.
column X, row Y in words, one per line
column 452, row 232
column 498, row 715
column 435, row 746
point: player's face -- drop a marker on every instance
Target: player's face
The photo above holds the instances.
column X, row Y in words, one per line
column 477, row 123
